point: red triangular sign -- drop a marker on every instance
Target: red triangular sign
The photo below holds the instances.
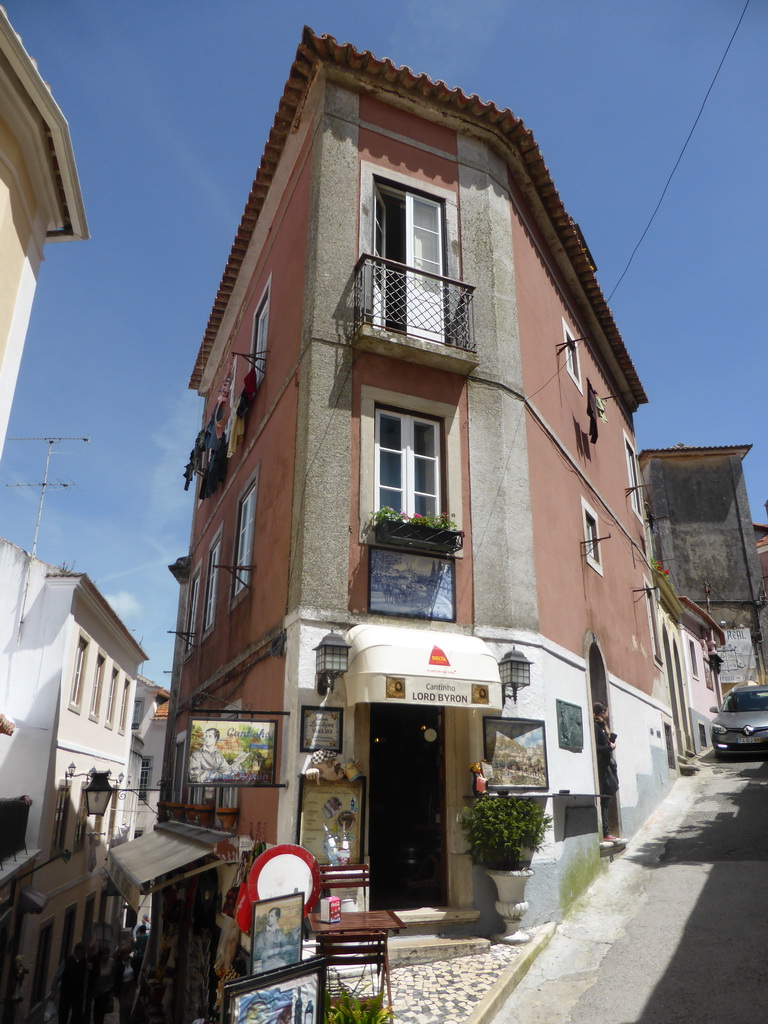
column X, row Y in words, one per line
column 437, row 657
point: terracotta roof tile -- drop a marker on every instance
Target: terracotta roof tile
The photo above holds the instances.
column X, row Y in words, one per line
column 315, row 50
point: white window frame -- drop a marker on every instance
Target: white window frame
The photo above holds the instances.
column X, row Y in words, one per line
column 653, row 622
column 81, row 660
column 692, row 652
column 409, row 460
column 211, row 584
column 137, row 714
column 244, row 538
column 124, row 705
column 591, row 529
column 260, row 333
column 112, row 698
column 145, row 777
column 372, row 175
column 571, row 352
column 192, row 602
column 372, row 399
column 98, row 686
column 633, row 476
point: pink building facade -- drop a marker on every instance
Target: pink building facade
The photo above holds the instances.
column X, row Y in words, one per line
column 410, row 319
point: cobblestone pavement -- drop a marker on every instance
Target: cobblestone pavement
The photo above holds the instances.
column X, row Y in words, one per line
column 447, row 991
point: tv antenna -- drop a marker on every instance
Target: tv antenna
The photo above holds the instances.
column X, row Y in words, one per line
column 50, row 441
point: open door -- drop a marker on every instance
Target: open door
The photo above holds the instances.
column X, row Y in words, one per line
column 406, row 821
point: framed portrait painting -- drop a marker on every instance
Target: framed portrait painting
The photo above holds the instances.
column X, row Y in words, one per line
column 231, row 752
column 517, row 751
column 278, row 997
column 276, row 932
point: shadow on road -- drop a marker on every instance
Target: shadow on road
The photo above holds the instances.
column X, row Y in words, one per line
column 717, row 974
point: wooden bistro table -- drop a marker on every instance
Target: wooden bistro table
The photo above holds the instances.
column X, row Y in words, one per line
column 358, row 921
column 359, row 938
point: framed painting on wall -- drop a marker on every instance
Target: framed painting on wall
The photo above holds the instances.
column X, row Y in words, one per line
column 517, row 751
column 417, row 586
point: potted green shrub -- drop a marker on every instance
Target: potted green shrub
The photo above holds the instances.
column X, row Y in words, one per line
column 500, row 830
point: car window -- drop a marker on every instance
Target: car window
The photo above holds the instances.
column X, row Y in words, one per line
column 746, row 701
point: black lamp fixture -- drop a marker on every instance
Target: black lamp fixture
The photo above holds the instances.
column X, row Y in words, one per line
column 98, row 793
column 331, row 661
column 515, row 672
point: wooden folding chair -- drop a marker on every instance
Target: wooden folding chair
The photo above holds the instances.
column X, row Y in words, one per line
column 352, row 950
column 345, row 876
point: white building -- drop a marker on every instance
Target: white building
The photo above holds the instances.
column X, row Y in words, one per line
column 68, row 669
column 40, row 198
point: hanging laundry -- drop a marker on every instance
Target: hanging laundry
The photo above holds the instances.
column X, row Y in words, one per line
column 600, row 406
column 250, row 384
column 217, row 468
column 196, row 460
column 236, row 434
column 592, row 411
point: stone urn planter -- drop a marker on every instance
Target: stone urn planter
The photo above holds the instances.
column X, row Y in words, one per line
column 511, row 904
column 500, row 829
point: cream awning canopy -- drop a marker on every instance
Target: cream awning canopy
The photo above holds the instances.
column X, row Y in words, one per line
column 389, row 664
column 158, row 858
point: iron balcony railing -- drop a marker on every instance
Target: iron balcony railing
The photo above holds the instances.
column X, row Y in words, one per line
column 408, row 301
column 14, row 815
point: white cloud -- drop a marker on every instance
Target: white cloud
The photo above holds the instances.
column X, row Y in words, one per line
column 125, row 605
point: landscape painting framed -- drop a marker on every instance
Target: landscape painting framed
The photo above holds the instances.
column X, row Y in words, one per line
column 278, row 997
column 516, row 748
column 416, row 586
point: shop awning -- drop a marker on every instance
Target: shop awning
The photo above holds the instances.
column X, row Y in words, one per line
column 166, row 855
column 417, row 666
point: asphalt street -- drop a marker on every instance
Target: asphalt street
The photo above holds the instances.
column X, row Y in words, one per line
column 675, row 931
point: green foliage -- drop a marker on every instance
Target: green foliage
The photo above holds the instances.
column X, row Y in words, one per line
column 444, row 521
column 350, row 1009
column 499, row 828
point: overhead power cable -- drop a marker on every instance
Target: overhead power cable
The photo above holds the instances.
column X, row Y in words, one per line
column 682, row 151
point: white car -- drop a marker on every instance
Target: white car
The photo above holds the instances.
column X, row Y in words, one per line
column 742, row 722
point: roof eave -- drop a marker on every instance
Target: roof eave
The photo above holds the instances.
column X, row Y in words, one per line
column 315, row 50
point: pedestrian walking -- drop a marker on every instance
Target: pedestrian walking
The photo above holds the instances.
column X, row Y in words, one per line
column 72, row 984
column 103, row 985
column 138, row 950
column 124, row 986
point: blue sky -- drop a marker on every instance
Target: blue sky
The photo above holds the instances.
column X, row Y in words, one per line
column 169, row 104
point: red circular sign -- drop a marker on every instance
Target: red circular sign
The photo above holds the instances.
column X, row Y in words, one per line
column 282, row 870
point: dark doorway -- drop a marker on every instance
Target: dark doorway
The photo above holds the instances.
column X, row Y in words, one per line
column 598, row 688
column 406, row 802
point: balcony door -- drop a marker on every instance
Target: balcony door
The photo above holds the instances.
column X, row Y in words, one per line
column 409, row 230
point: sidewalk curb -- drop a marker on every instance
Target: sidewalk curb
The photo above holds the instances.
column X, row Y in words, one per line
column 511, row 976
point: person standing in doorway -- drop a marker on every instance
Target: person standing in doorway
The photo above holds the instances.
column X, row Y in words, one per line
column 607, row 775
